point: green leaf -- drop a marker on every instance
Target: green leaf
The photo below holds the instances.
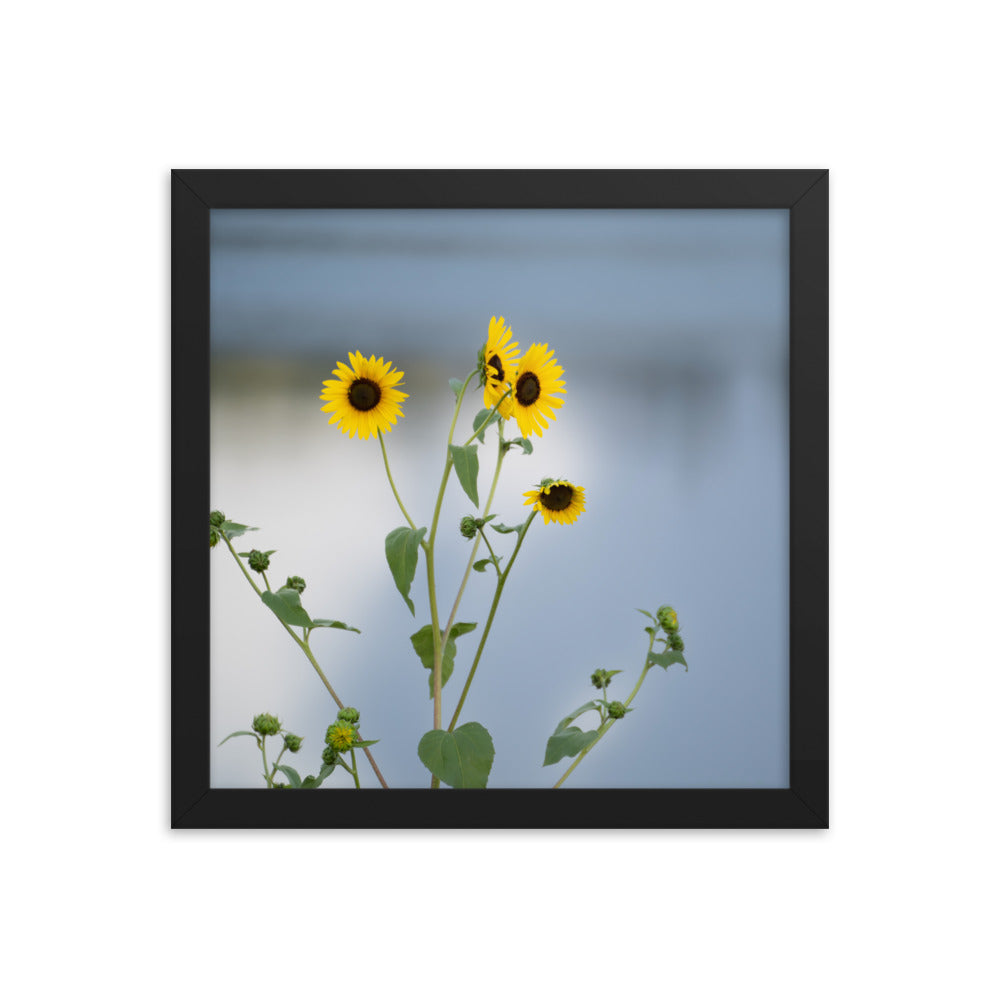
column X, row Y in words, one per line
column 423, row 644
column 239, row 732
column 327, row 623
column 524, row 444
column 461, row 759
column 233, row 530
column 401, row 547
column 567, row 743
column 480, row 564
column 667, row 658
column 505, row 529
column 291, row 774
column 361, row 744
column 456, row 386
column 466, row 463
column 590, row 706
column 287, row 605
column 646, row 613
column 480, row 423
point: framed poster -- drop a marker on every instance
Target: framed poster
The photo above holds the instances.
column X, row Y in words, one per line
column 517, row 486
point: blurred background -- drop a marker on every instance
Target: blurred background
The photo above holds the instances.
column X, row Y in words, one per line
column 672, row 327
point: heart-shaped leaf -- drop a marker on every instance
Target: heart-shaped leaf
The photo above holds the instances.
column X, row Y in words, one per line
column 287, row 605
column 461, row 759
column 567, row 743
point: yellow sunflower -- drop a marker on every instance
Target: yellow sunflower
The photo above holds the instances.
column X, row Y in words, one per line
column 536, row 381
column 499, row 362
column 363, row 397
column 558, row 500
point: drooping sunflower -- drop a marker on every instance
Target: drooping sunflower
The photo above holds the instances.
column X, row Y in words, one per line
column 499, row 362
column 557, row 500
column 363, row 397
column 535, row 382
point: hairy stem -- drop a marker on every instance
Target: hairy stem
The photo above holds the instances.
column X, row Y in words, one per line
column 501, row 580
column 605, row 726
column 395, row 492
column 436, row 637
column 304, row 646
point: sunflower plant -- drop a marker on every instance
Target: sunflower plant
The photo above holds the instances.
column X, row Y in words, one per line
column 363, row 399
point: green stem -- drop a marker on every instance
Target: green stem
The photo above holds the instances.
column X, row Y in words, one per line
column 304, row 646
column 495, row 408
column 274, row 770
column 501, row 453
column 610, row 722
column 436, row 637
column 263, row 753
column 395, row 492
column 502, row 579
column 496, row 562
column 354, row 769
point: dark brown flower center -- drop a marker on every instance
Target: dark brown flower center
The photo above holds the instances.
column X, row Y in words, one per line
column 558, row 498
column 495, row 362
column 364, row 394
column 527, row 389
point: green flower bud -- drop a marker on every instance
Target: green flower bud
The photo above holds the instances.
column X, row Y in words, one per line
column 341, row 736
column 351, row 715
column 216, row 519
column 266, row 725
column 296, row 583
column 667, row 618
column 468, row 527
column 616, row 710
column 293, row 742
column 600, row 679
column 676, row 642
column 259, row 561
column 213, row 538
column 330, row 756
column 481, row 365
column 279, row 784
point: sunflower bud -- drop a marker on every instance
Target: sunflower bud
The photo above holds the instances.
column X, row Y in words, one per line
column 213, row 538
column 616, row 710
column 266, row 725
column 600, row 679
column 259, row 561
column 293, row 742
column 340, row 736
column 216, row 519
column 330, row 756
column 350, row 715
column 676, row 642
column 468, row 526
column 481, row 366
column 667, row 618
column 296, row 583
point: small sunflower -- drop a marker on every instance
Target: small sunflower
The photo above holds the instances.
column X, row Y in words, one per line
column 535, row 383
column 363, row 397
column 499, row 362
column 558, row 500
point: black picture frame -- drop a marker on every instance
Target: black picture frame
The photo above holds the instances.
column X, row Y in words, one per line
column 805, row 194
